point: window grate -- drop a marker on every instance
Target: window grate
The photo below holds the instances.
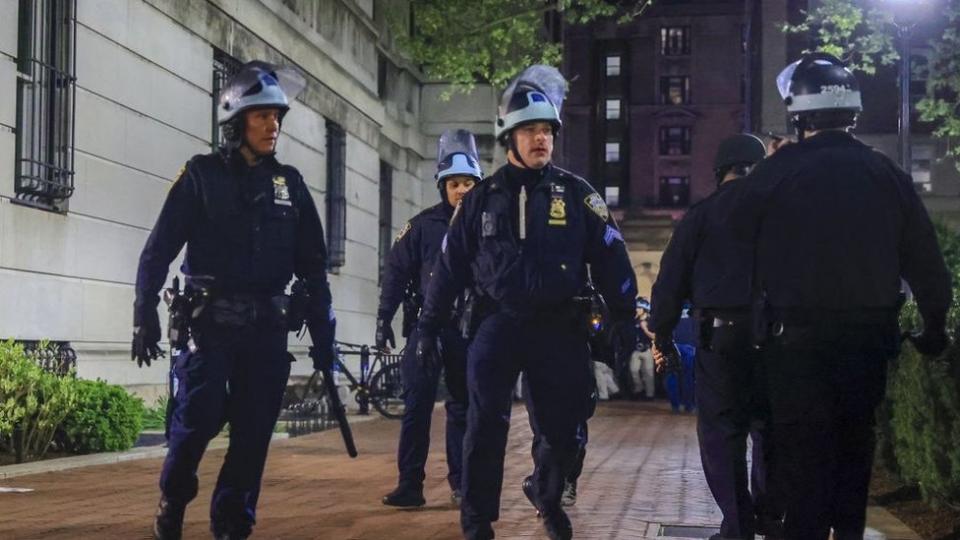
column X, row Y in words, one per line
column 224, row 66
column 336, row 196
column 46, row 103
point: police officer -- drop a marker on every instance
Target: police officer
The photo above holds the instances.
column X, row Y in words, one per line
column 409, row 268
column 249, row 224
column 523, row 238
column 710, row 261
column 838, row 224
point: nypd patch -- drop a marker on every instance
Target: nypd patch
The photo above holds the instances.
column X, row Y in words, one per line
column 402, row 233
column 595, row 203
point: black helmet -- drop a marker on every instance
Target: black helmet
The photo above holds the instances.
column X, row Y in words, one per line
column 820, row 92
column 739, row 149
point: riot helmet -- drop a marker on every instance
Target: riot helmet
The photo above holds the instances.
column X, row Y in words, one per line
column 536, row 95
column 741, row 152
column 257, row 85
column 820, row 93
column 456, row 156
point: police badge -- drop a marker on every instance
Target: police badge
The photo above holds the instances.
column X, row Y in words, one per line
column 281, row 193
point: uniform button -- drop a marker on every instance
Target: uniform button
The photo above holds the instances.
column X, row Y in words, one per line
column 563, row 266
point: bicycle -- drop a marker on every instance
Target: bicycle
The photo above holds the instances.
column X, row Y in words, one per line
column 380, row 383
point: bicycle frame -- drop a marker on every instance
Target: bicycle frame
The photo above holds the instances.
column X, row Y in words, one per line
column 367, row 370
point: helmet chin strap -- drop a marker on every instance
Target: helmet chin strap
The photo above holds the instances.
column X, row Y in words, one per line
column 516, row 152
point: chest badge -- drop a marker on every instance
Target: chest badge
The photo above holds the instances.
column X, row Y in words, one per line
column 281, row 192
column 558, row 211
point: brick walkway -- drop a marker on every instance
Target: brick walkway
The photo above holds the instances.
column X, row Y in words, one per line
column 642, row 470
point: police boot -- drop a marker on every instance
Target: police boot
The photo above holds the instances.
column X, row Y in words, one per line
column 527, row 487
column 404, row 498
column 168, row 524
column 557, row 525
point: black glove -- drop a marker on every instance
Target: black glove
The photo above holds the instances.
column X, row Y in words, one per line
column 428, row 351
column 671, row 355
column 384, row 335
column 146, row 337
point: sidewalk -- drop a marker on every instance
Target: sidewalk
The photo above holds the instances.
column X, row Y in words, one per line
column 642, row 474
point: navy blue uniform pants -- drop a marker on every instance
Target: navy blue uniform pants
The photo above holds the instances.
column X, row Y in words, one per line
column 553, row 354
column 823, row 398
column 236, row 376
column 583, row 436
column 731, row 405
column 420, row 394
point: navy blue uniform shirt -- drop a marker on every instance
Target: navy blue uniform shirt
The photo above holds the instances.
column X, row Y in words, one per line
column 247, row 229
column 412, row 257
column 838, row 225
column 708, row 261
column 538, row 264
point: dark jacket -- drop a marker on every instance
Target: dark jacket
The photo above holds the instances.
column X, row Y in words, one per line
column 247, row 230
column 412, row 257
column 838, row 225
column 567, row 226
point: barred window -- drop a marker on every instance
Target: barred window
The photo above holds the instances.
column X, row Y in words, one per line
column 46, row 103
column 675, row 40
column 224, row 66
column 386, row 213
column 675, row 140
column 674, row 90
column 336, row 197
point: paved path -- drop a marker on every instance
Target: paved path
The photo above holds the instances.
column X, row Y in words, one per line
column 642, row 471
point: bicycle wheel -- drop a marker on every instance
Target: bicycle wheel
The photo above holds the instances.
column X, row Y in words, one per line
column 386, row 391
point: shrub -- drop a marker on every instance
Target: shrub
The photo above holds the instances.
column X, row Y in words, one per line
column 33, row 403
column 105, row 419
column 919, row 422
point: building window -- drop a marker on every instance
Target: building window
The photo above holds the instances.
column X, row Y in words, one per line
column 674, row 90
column 675, row 140
column 675, row 40
column 613, row 109
column 386, row 213
column 613, row 65
column 224, row 67
column 336, row 197
column 46, row 103
column 611, row 151
column 921, row 160
column 674, row 191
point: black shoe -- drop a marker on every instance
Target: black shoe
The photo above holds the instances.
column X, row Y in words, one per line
column 404, row 498
column 168, row 524
column 527, row 487
column 557, row 525
column 456, row 497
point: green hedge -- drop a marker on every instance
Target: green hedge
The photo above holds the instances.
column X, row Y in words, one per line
column 919, row 423
column 40, row 410
column 106, row 419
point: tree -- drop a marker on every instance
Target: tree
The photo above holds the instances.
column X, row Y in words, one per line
column 466, row 42
column 861, row 38
column 864, row 38
column 941, row 106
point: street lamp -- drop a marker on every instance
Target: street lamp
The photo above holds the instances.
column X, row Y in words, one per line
column 905, row 19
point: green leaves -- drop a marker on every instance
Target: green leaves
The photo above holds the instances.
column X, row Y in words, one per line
column 862, row 39
column 466, row 42
column 941, row 105
column 105, row 419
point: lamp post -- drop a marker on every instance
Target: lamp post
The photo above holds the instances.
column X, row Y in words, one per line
column 905, row 19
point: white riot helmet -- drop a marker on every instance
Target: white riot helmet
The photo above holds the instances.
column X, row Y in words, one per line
column 536, row 95
column 820, row 93
column 257, row 85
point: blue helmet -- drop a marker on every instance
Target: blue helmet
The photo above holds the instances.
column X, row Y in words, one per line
column 457, row 156
column 536, row 95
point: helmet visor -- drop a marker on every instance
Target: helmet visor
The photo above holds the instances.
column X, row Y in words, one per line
column 456, row 141
column 546, row 79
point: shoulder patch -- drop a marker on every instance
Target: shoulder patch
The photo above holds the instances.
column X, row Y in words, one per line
column 402, row 233
column 179, row 175
column 595, row 203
